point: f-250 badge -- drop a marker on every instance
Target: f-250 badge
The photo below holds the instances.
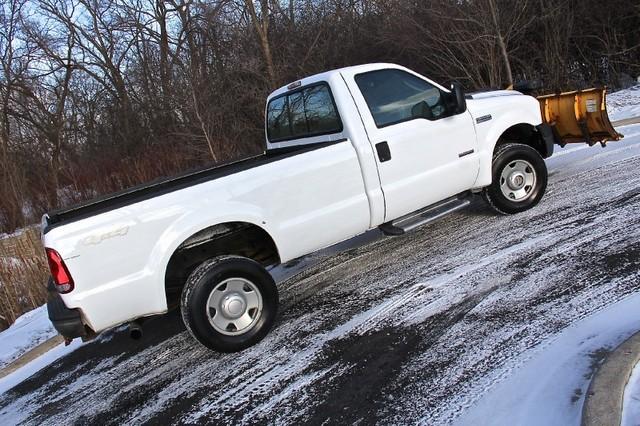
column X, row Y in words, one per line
column 93, row 240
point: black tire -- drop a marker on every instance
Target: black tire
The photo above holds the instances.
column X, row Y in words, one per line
column 200, row 287
column 506, row 156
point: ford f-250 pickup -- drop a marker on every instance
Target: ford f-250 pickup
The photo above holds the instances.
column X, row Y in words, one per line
column 348, row 150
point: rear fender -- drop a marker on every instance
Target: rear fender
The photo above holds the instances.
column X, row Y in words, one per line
column 189, row 225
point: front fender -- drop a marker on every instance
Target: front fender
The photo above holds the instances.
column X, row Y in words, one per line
column 505, row 113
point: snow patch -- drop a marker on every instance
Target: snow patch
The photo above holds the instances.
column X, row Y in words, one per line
column 624, row 103
column 14, row 234
column 27, row 332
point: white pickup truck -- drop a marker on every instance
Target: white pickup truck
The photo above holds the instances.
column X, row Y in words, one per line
column 347, row 150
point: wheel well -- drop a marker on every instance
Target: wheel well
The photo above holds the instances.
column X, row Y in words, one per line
column 525, row 134
column 238, row 238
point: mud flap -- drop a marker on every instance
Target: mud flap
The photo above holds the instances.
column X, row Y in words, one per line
column 549, row 137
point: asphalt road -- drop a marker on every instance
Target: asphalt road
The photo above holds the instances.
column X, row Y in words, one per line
column 411, row 329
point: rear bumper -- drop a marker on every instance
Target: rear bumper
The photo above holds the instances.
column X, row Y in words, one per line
column 68, row 322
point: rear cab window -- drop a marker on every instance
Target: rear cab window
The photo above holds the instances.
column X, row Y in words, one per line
column 304, row 112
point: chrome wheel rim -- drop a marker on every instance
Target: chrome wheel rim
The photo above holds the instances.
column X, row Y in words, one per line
column 517, row 180
column 234, row 306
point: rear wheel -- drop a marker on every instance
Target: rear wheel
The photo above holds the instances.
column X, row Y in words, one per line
column 229, row 303
column 519, row 179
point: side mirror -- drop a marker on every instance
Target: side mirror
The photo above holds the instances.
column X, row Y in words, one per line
column 457, row 93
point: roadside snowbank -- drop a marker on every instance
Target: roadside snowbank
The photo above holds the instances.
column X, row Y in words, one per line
column 27, row 332
column 631, row 403
column 551, row 381
column 624, row 103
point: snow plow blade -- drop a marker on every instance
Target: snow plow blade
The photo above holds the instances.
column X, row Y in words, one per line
column 579, row 116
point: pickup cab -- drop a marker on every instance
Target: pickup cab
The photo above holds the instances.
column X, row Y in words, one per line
column 346, row 151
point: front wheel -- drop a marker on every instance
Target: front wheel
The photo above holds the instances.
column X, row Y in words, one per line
column 229, row 303
column 519, row 179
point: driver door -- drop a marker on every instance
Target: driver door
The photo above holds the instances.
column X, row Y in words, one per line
column 424, row 154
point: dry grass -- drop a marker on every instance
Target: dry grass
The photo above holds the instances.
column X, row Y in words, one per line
column 23, row 275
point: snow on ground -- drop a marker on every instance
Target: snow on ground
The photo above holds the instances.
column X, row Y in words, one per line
column 558, row 367
column 15, row 233
column 631, row 403
column 27, row 332
column 624, row 103
column 11, row 380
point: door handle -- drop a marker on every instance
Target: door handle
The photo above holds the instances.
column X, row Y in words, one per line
column 384, row 154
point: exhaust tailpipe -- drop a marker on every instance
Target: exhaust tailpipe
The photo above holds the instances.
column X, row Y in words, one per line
column 135, row 330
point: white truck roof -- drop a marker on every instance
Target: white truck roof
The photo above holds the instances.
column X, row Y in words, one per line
column 328, row 75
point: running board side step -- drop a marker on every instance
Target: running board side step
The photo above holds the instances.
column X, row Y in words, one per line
column 425, row 215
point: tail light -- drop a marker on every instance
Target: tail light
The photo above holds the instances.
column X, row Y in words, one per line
column 59, row 272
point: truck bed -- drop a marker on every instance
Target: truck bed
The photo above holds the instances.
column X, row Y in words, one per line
column 163, row 186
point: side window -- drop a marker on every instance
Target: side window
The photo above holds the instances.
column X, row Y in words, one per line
column 320, row 110
column 278, row 119
column 394, row 96
column 309, row 111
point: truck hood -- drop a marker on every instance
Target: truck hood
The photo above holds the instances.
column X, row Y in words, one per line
column 492, row 94
column 501, row 103
column 502, row 107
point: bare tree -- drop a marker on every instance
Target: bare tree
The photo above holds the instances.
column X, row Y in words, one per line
column 97, row 95
column 475, row 38
column 41, row 100
column 12, row 69
column 260, row 20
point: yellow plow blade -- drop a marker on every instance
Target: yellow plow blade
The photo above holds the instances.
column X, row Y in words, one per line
column 579, row 116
